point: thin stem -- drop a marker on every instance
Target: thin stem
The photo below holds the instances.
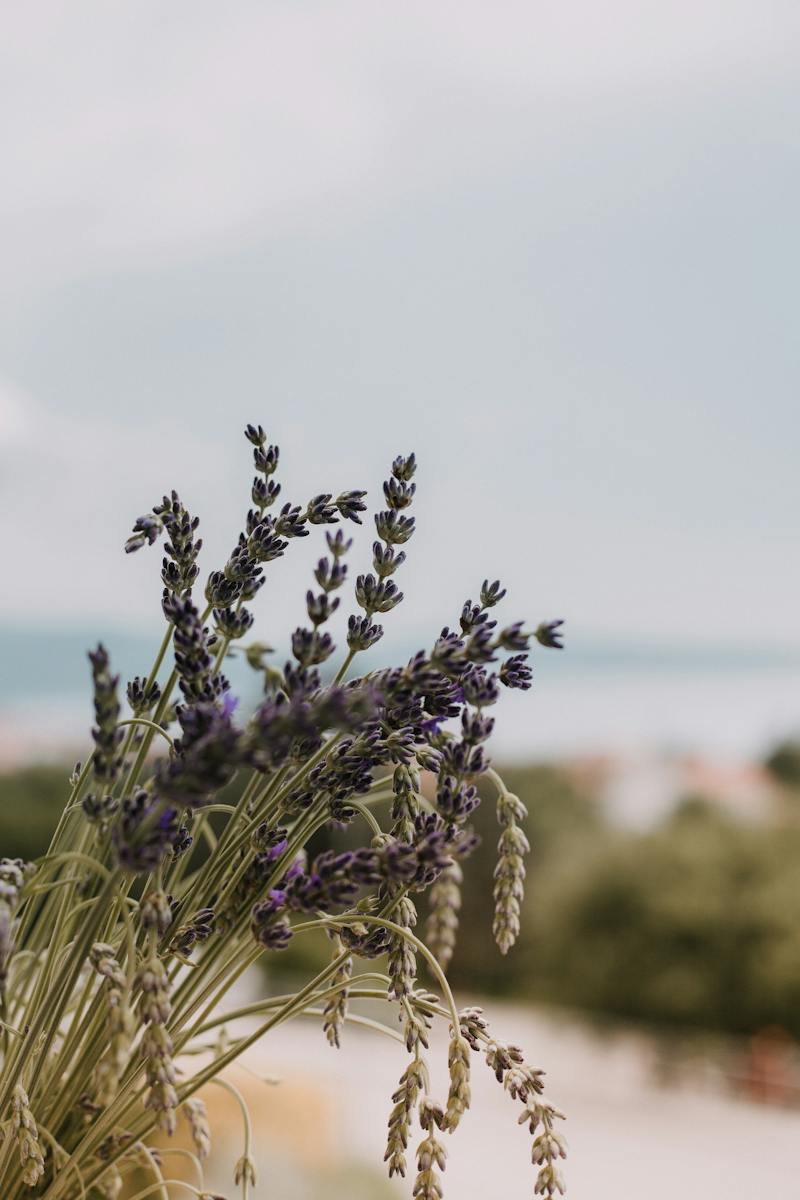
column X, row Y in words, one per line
column 151, row 678
column 400, row 931
column 246, row 1161
column 259, row 1006
column 48, row 1016
column 161, row 1184
column 148, row 725
column 343, row 669
column 367, row 815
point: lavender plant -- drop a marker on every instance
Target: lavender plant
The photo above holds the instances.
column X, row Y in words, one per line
column 118, row 947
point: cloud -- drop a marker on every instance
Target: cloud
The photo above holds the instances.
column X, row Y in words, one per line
column 543, row 244
column 16, row 418
column 149, row 131
column 72, row 487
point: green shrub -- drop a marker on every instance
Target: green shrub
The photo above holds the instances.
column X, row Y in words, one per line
column 695, row 924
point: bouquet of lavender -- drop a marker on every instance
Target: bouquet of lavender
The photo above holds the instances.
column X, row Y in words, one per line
column 117, row 948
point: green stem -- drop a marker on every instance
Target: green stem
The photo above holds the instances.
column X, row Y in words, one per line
column 48, row 1016
column 343, row 669
column 400, row 931
column 367, row 815
column 149, row 725
column 151, row 678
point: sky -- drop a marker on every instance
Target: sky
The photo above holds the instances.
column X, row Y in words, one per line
column 550, row 247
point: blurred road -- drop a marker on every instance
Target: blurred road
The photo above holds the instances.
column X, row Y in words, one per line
column 629, row 1139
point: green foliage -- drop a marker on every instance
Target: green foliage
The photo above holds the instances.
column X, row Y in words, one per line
column 560, row 819
column 695, row 924
column 31, row 800
column 783, row 763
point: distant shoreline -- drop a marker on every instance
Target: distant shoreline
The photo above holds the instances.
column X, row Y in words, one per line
column 598, row 696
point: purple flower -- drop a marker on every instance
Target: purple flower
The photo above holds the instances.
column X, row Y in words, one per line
column 145, row 829
column 432, row 725
column 549, row 634
column 276, row 851
column 515, row 672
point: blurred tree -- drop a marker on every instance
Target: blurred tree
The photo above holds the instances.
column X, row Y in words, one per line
column 695, row 924
column 783, row 763
column 560, row 820
column 31, row 800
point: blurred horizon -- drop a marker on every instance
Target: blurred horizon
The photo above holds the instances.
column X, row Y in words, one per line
column 661, row 698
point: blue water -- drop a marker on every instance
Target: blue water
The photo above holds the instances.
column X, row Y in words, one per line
column 597, row 695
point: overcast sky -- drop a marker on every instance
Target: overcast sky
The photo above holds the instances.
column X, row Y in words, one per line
column 552, row 247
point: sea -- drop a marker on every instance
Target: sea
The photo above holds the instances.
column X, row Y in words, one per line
column 597, row 696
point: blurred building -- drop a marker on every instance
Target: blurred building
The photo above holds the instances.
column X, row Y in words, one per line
column 639, row 789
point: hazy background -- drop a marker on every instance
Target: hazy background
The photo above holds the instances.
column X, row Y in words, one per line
column 550, row 247
column 547, row 246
